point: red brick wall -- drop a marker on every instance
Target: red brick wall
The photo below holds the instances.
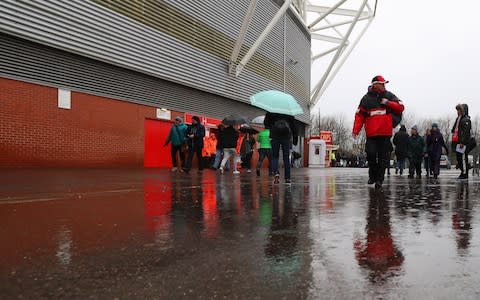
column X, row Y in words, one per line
column 95, row 132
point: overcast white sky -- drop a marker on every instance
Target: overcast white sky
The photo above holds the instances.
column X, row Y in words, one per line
column 428, row 49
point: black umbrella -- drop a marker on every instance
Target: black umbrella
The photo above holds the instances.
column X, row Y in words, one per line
column 248, row 129
column 234, row 120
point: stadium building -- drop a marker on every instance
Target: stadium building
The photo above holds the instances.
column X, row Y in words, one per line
column 98, row 82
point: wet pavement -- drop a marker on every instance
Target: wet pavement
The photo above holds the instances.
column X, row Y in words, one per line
column 152, row 234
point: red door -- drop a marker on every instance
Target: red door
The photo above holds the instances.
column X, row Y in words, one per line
column 155, row 154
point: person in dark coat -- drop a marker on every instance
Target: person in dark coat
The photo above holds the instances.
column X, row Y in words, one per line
column 195, row 135
column 426, row 157
column 435, row 143
column 246, row 151
column 416, row 147
column 219, row 152
column 400, row 140
column 283, row 132
column 461, row 134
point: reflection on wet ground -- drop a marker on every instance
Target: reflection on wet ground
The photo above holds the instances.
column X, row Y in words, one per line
column 161, row 235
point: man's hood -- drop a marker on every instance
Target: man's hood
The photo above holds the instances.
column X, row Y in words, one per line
column 465, row 108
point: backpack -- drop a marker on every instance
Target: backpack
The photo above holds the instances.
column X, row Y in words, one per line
column 396, row 119
column 282, row 128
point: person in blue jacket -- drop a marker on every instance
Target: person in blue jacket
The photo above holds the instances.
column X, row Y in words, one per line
column 177, row 136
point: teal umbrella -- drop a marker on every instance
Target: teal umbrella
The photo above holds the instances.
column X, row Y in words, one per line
column 277, row 102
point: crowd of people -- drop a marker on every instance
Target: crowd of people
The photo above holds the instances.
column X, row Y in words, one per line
column 228, row 146
column 418, row 149
column 380, row 110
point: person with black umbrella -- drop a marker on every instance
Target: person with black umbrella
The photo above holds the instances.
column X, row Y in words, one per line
column 229, row 139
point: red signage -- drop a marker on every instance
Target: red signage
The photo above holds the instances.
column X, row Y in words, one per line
column 211, row 122
column 188, row 118
column 327, row 136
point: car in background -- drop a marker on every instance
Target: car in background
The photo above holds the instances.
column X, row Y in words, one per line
column 445, row 162
column 470, row 161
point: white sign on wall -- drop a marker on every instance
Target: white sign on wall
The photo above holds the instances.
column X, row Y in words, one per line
column 64, row 99
column 164, row 114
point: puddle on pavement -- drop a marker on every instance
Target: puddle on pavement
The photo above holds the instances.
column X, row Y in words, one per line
column 328, row 232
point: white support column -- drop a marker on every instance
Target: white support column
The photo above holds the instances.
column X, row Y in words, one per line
column 338, row 11
column 262, row 36
column 329, row 11
column 327, row 38
column 336, row 24
column 335, row 28
column 320, row 84
column 241, row 34
column 343, row 47
column 341, row 62
column 315, row 57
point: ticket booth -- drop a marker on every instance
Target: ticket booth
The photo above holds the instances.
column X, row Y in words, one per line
column 317, row 149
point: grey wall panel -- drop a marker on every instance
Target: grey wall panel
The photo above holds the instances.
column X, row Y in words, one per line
column 165, row 39
column 27, row 61
column 227, row 16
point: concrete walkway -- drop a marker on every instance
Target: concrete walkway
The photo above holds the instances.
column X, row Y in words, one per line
column 153, row 234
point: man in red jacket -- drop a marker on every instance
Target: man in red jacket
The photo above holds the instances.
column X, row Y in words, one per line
column 375, row 113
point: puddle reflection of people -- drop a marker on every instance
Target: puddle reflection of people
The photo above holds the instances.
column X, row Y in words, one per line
column 378, row 252
column 461, row 218
column 283, row 236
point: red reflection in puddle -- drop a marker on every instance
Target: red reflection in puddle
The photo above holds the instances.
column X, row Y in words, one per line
column 158, row 205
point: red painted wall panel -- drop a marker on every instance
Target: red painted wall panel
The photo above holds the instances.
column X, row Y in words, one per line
column 156, row 155
column 95, row 132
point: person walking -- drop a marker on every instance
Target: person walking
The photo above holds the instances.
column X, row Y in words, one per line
column 283, row 132
column 416, row 148
column 219, row 148
column 246, row 151
column 427, row 163
column 195, row 135
column 376, row 111
column 461, row 134
column 264, row 150
column 229, row 140
column 177, row 137
column 435, row 143
column 400, row 140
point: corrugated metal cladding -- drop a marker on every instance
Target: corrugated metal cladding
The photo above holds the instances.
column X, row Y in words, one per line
column 187, row 42
column 297, row 61
column 217, row 15
column 28, row 61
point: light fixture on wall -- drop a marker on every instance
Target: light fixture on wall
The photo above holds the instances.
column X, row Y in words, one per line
column 292, row 61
